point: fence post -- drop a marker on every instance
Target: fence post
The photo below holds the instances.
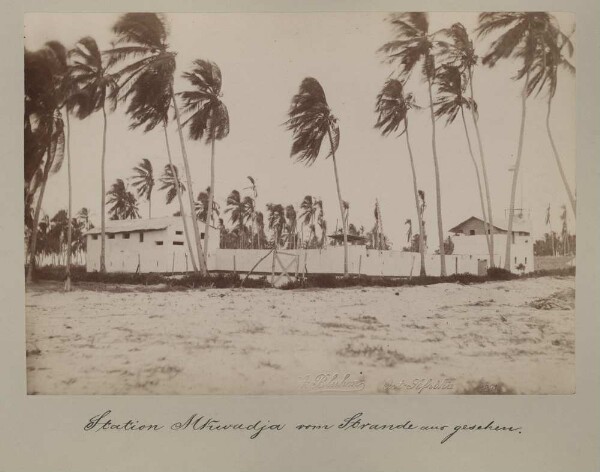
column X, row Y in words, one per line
column 234, row 266
column 456, row 264
column 173, row 263
column 359, row 264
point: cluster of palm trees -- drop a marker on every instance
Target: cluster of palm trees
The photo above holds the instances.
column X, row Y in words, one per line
column 447, row 61
column 137, row 72
column 52, row 245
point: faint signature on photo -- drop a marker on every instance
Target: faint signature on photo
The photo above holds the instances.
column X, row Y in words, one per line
column 418, row 385
column 332, row 382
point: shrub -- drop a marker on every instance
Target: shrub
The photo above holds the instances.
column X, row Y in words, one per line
column 497, row 273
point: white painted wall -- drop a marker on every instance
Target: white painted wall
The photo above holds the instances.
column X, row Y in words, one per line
column 521, row 249
column 123, row 255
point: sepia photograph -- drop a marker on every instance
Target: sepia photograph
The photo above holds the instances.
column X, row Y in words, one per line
column 360, row 203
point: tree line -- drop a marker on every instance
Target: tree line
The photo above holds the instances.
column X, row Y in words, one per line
column 138, row 71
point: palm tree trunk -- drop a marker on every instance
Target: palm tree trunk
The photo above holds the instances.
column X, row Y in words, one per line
column 557, row 158
column 341, row 201
column 180, row 199
column 69, row 210
column 488, row 197
column 200, row 252
column 103, row 199
column 487, row 237
column 422, row 271
column 438, row 190
column 149, row 207
column 38, row 207
column 513, row 191
column 211, row 193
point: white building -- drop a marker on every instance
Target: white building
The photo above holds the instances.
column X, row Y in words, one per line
column 147, row 245
column 469, row 238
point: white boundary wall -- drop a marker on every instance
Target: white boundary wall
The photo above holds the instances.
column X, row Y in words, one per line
column 331, row 261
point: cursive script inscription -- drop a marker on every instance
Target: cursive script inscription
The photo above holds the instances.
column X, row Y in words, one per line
column 102, row 423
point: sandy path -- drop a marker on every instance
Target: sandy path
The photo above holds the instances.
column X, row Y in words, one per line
column 274, row 341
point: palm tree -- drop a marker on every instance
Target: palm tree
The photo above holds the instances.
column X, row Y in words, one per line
column 143, row 181
column 248, row 212
column 310, row 120
column 142, row 39
column 171, row 182
column 290, row 216
column 525, row 34
column 202, row 207
column 461, row 53
column 124, row 204
column 254, row 190
column 235, row 207
column 414, row 44
column 308, row 214
column 450, row 101
column 95, row 86
column 276, row 221
column 393, row 106
column 44, row 130
column 545, row 75
column 209, row 117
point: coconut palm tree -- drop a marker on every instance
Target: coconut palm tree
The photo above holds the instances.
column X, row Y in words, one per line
column 276, row 221
column 249, row 209
column 124, row 203
column 254, row 191
column 142, row 41
column 449, row 103
column 97, row 86
column 44, row 130
column 393, row 106
column 259, row 221
column 209, row 118
column 143, row 181
column 290, row 216
column 412, row 45
column 202, row 207
column 171, row 182
column 310, row 120
column 237, row 214
column 524, row 33
column 461, row 53
column 544, row 76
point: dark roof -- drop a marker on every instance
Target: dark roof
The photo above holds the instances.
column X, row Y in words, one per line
column 519, row 224
column 351, row 238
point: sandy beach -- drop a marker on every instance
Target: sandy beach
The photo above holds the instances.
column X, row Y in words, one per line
column 498, row 337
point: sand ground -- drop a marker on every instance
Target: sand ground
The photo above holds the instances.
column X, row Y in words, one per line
column 497, row 337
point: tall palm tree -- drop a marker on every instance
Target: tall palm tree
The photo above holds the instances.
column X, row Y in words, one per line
column 124, row 203
column 460, row 52
column 142, row 41
column 449, row 103
column 97, row 86
column 44, row 130
column 393, row 106
column 143, row 181
column 310, row 120
column 413, row 45
column 209, row 118
column 524, row 33
column 171, row 182
column 544, row 75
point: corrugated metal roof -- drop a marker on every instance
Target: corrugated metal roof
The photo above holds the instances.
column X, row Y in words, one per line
column 140, row 224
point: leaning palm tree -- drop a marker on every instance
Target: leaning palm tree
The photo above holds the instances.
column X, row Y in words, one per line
column 124, row 203
column 96, row 87
column 544, row 75
column 143, row 181
column 523, row 37
column 413, row 45
column 44, row 130
column 461, row 53
column 393, row 106
column 449, row 103
column 310, row 120
column 209, row 118
column 142, row 41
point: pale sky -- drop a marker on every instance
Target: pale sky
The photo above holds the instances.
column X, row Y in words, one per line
column 263, row 58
